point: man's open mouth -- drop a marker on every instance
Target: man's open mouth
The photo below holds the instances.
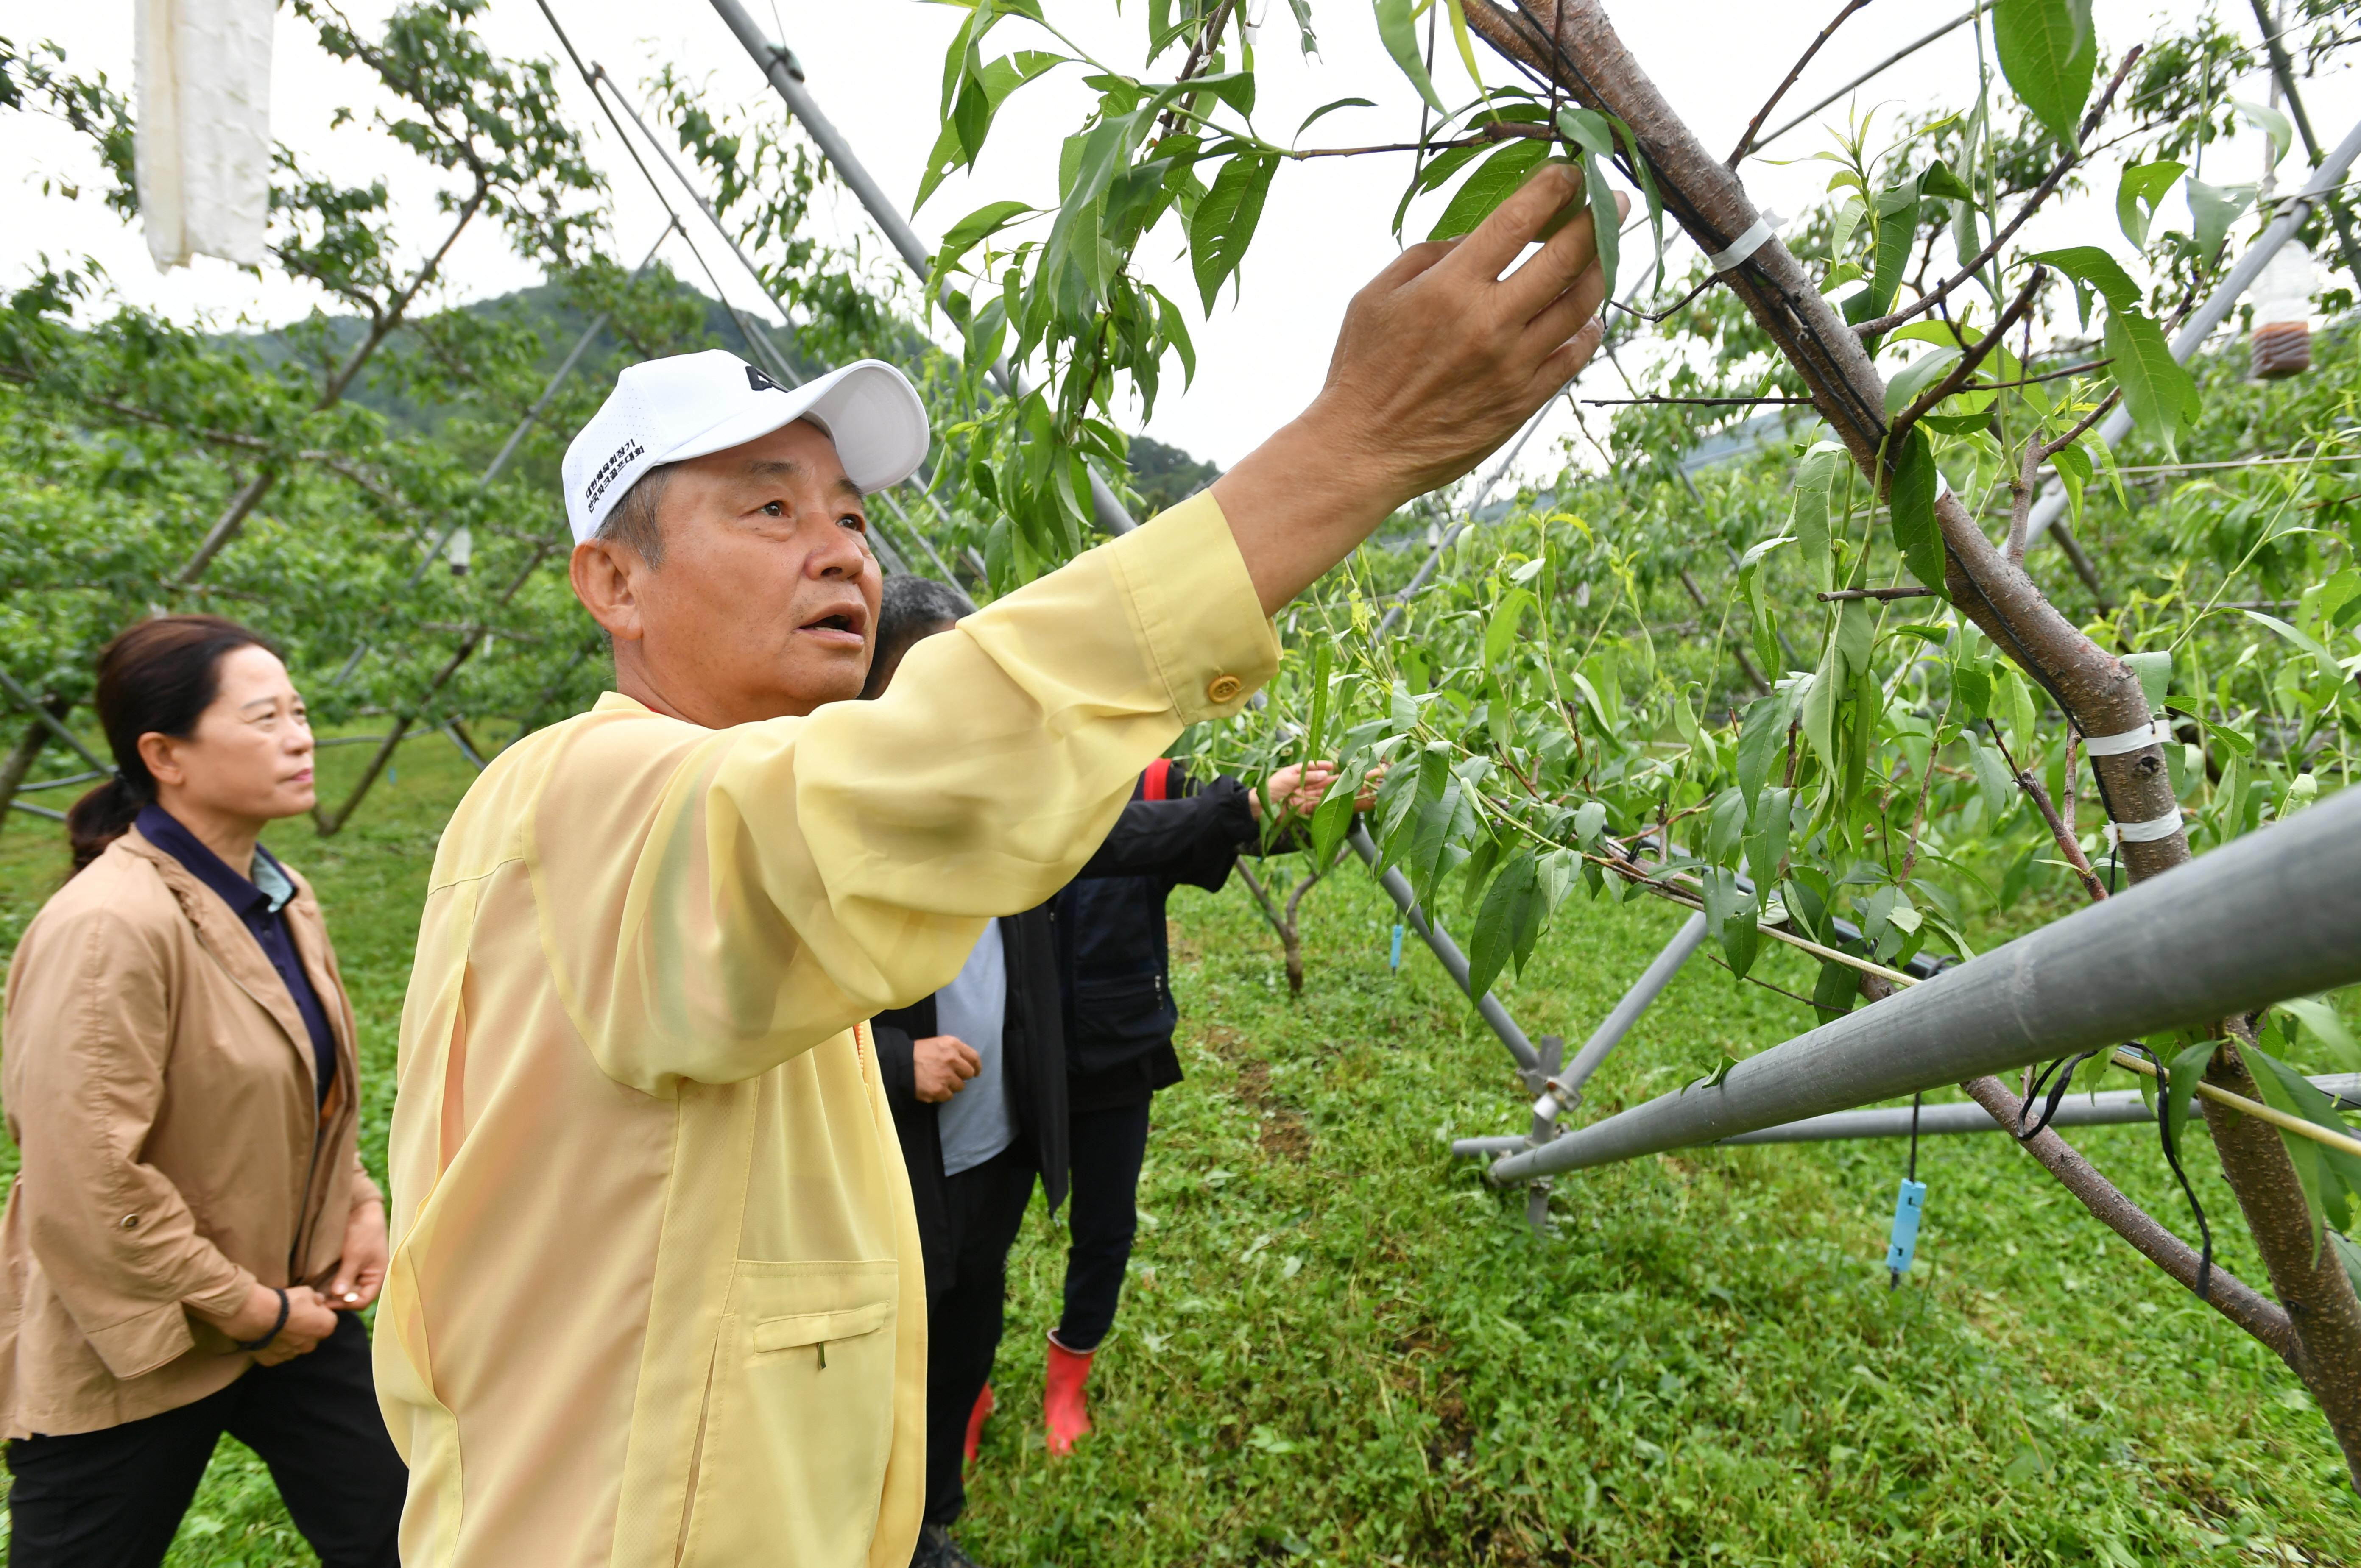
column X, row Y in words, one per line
column 848, row 625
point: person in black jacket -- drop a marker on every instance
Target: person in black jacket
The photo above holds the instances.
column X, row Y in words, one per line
column 976, row 1078
column 1119, row 1017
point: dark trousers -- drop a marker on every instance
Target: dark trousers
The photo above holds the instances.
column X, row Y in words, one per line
column 113, row 1498
column 1102, row 1216
column 984, row 1207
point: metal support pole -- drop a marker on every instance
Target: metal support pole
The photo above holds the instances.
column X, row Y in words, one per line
column 25, row 700
column 1545, row 1129
column 2114, row 1107
column 1454, row 962
column 2272, row 915
column 778, row 65
column 1565, row 1088
column 2216, row 307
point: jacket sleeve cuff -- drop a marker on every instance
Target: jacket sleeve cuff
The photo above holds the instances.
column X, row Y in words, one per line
column 1196, row 608
column 364, row 1189
column 138, row 1345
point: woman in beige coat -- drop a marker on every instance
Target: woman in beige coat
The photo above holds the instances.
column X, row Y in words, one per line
column 191, row 1236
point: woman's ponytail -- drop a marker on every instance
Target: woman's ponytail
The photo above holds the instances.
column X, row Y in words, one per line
column 156, row 678
column 99, row 819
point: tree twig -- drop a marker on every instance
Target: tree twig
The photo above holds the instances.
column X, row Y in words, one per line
column 1746, row 142
column 1883, row 594
column 1982, row 350
column 2041, row 193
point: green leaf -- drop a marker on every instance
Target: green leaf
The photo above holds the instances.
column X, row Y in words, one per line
column 2212, row 209
column 2090, row 268
column 1495, row 181
column 1918, row 375
column 1940, row 181
column 1912, row 499
column 1595, row 135
column 2271, row 123
column 1224, row 223
column 2139, row 191
column 1314, row 118
column 1513, row 906
column 1501, row 631
column 1767, row 825
column 2048, row 52
column 2319, row 1015
column 2181, row 1079
column 1897, row 232
column 2154, row 671
column 1992, row 779
column 972, row 230
column 1816, row 478
column 1972, row 691
column 1762, row 736
column 2312, row 645
column 2331, row 1177
column 1331, row 819
column 1398, row 28
column 1838, row 988
column 2159, row 392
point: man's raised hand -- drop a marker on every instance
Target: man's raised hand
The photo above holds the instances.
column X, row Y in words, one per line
column 1441, row 358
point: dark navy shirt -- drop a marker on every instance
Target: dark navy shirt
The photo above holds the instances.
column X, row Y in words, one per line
column 261, row 903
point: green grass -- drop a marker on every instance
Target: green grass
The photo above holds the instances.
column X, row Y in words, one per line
column 1339, row 1348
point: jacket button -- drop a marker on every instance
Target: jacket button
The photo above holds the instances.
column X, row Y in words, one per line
column 1222, row 688
column 130, row 1222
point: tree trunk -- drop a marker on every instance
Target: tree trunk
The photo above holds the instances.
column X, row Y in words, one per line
column 1574, row 45
column 21, row 756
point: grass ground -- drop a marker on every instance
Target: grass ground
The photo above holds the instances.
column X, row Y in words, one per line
column 1339, row 1348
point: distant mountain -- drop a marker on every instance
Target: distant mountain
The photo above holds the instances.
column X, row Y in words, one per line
column 1166, row 476
column 1163, row 475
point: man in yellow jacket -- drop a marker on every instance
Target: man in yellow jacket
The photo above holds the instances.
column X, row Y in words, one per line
column 655, row 1293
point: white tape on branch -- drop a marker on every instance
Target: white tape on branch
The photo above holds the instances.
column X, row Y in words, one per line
column 1745, row 245
column 2156, row 734
column 2164, row 826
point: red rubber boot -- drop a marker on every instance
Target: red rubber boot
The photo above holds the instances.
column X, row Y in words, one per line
column 1063, row 1404
column 975, row 1420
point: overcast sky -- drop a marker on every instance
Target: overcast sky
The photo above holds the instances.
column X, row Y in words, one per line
column 875, row 67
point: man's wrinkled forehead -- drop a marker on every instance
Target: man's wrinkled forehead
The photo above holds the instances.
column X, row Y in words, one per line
column 787, row 470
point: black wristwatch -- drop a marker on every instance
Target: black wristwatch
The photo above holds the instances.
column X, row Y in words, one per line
column 265, row 1339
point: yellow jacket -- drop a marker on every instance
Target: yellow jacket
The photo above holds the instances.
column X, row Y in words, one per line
column 655, row 1294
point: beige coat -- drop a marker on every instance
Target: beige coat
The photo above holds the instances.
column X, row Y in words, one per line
column 655, row 1297
column 161, row 1085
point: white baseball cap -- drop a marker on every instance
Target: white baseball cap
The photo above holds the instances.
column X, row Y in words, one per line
column 666, row 410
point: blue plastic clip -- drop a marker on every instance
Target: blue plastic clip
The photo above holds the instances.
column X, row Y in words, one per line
column 1395, row 962
column 1907, row 1205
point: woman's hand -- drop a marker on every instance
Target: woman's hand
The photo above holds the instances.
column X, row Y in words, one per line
column 361, row 1275
column 1296, row 789
column 308, row 1323
column 942, row 1065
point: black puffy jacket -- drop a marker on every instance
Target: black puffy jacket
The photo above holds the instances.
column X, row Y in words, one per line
column 1115, row 964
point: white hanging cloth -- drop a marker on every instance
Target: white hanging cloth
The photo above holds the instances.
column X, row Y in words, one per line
column 201, row 150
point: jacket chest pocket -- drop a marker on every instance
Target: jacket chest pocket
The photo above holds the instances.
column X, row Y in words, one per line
column 799, row 1416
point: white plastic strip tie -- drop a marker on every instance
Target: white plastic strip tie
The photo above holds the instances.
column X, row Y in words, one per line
column 2156, row 734
column 2148, row 832
column 1745, row 245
